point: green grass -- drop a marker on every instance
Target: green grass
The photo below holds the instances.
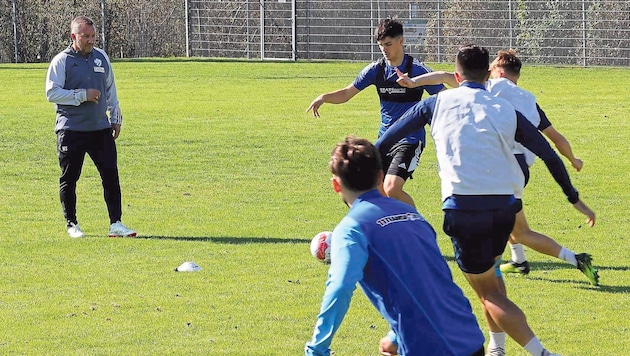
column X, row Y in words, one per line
column 220, row 165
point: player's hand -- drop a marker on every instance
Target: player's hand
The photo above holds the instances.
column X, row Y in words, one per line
column 581, row 207
column 315, row 104
column 387, row 347
column 93, row 95
column 577, row 164
column 404, row 80
column 116, row 130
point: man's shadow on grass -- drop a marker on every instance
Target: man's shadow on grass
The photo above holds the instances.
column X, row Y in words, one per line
column 230, row 240
column 540, row 269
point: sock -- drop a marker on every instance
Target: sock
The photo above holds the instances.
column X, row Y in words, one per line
column 496, row 340
column 518, row 253
column 568, row 256
column 534, row 347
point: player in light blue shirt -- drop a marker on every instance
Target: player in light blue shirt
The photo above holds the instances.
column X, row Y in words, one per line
column 391, row 251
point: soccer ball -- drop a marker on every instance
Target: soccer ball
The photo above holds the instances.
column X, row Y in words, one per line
column 320, row 246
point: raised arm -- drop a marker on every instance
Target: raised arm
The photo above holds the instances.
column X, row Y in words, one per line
column 431, row 78
column 530, row 137
column 334, row 97
column 561, row 143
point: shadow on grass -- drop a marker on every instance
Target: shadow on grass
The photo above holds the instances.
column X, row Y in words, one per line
column 230, row 240
column 538, row 268
column 549, row 267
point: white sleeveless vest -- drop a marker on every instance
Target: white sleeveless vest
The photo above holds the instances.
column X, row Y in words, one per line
column 473, row 134
column 523, row 101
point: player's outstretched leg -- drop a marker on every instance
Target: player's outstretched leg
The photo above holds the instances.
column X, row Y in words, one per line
column 523, row 235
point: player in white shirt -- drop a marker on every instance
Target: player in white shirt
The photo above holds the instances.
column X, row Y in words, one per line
column 474, row 135
column 505, row 71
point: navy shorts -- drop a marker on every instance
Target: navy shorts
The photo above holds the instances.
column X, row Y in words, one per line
column 403, row 159
column 478, row 237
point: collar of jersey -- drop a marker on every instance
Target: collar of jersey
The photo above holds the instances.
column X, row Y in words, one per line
column 472, row 85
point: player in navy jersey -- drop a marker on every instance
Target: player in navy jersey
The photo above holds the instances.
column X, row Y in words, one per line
column 391, row 251
column 474, row 135
column 404, row 157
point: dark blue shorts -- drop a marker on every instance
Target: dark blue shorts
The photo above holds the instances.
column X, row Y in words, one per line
column 478, row 237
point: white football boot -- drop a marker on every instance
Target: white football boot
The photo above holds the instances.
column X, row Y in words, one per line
column 117, row 229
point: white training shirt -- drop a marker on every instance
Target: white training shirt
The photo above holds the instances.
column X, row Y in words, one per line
column 523, row 101
column 473, row 133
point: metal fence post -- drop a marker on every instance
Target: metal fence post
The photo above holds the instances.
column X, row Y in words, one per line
column 15, row 33
column 187, row 24
column 262, row 29
column 293, row 31
column 372, row 25
column 511, row 21
column 584, row 33
column 308, row 29
column 439, row 32
column 103, row 24
column 247, row 34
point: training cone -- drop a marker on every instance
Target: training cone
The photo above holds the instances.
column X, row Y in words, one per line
column 188, row 267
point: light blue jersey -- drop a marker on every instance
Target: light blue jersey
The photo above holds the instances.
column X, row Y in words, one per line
column 391, row 251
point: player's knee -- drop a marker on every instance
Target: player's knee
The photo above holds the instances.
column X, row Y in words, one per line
column 520, row 233
column 392, row 190
column 392, row 186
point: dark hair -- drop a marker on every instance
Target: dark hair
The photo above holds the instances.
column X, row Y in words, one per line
column 508, row 61
column 389, row 27
column 357, row 163
column 473, row 62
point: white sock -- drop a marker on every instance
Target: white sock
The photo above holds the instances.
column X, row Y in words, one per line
column 534, row 347
column 518, row 253
column 496, row 340
column 568, row 256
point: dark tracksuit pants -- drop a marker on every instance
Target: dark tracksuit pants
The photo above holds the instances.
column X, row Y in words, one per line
column 101, row 147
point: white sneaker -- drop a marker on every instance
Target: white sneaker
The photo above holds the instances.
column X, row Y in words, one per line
column 117, row 229
column 75, row 231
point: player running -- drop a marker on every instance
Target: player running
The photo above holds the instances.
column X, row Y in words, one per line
column 403, row 158
column 505, row 71
column 474, row 135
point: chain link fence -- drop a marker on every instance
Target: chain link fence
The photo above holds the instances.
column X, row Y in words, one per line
column 562, row 32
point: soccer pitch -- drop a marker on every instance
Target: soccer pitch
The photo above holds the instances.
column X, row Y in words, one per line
column 220, row 165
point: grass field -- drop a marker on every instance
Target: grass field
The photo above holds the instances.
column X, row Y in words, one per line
column 220, row 165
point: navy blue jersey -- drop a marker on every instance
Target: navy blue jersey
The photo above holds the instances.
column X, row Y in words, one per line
column 391, row 251
column 383, row 76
